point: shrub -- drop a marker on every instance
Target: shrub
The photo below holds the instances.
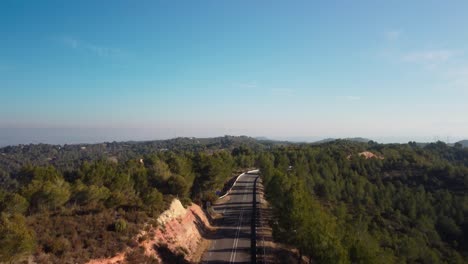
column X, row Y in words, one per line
column 120, row 225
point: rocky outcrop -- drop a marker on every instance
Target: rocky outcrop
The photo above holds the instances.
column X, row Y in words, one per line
column 175, row 211
column 370, row 155
column 177, row 237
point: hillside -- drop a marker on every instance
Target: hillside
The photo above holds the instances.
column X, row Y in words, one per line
column 464, row 143
column 89, row 201
column 75, row 203
column 410, row 206
column 67, row 157
column 356, row 139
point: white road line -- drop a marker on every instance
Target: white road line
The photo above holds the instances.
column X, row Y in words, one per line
column 236, row 240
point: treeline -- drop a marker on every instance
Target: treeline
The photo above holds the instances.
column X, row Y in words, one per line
column 96, row 209
column 335, row 206
column 69, row 157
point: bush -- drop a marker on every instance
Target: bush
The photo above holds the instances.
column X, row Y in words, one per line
column 16, row 239
column 186, row 202
column 120, row 225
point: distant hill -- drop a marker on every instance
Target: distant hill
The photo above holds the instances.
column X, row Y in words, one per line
column 65, row 157
column 313, row 140
column 325, row 140
column 358, row 139
column 464, row 143
column 355, row 139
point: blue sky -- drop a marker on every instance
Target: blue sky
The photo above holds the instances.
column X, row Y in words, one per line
column 85, row 71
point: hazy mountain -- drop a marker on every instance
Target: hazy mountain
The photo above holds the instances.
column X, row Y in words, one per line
column 464, row 143
column 325, row 140
column 355, row 139
column 313, row 140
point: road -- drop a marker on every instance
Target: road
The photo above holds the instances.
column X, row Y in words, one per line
column 233, row 239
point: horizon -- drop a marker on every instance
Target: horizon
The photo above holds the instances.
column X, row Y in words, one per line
column 87, row 72
column 90, row 138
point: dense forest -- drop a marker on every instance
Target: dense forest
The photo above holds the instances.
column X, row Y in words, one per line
column 403, row 204
column 67, row 157
column 90, row 201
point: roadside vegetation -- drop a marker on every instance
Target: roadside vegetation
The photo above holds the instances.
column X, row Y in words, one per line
column 336, row 206
column 71, row 210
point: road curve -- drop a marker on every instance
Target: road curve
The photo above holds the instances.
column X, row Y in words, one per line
column 232, row 241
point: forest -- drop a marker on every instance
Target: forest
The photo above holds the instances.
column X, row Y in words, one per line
column 405, row 203
column 82, row 204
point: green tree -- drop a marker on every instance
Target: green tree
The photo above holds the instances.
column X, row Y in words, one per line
column 16, row 240
column 13, row 203
column 153, row 200
column 178, row 186
column 49, row 194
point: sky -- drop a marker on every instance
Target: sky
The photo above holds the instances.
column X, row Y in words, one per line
column 91, row 71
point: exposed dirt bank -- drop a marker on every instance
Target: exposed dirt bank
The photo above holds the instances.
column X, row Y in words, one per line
column 368, row 155
column 178, row 237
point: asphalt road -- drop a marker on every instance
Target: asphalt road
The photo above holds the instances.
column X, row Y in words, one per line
column 232, row 241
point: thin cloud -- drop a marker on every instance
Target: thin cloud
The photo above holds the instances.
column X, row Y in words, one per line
column 447, row 65
column 104, row 51
column 392, row 35
column 457, row 78
column 352, row 98
column 248, row 85
column 101, row 51
column 431, row 56
column 71, row 42
column 286, row 92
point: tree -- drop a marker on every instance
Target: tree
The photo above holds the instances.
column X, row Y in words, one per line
column 178, row 186
column 153, row 200
column 13, row 203
column 158, row 173
column 48, row 194
column 16, row 240
column 181, row 165
column 92, row 194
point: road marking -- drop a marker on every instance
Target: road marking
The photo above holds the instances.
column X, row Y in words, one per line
column 236, row 240
column 231, row 209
